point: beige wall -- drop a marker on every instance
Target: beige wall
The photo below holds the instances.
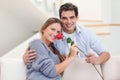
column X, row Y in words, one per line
column 88, row 9
column 18, row 21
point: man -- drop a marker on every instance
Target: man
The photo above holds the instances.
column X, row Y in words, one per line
column 84, row 38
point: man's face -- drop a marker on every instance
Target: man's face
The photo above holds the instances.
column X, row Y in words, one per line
column 69, row 19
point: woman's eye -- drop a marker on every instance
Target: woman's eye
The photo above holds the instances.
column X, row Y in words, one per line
column 52, row 29
column 58, row 32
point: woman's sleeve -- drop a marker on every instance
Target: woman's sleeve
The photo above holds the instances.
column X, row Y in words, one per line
column 43, row 62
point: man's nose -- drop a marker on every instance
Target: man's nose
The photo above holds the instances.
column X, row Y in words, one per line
column 68, row 20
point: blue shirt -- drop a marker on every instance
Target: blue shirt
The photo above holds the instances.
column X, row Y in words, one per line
column 86, row 40
column 43, row 68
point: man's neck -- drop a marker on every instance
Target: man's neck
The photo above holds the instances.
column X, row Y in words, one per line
column 68, row 32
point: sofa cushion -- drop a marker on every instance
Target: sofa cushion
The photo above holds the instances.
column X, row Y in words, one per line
column 111, row 69
column 80, row 70
column 12, row 69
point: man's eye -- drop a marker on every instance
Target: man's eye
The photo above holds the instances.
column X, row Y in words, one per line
column 72, row 17
column 63, row 18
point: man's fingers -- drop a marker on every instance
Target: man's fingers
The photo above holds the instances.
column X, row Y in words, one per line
column 89, row 55
column 33, row 56
column 87, row 60
column 28, row 48
column 30, row 60
column 29, row 56
column 30, row 51
column 91, row 59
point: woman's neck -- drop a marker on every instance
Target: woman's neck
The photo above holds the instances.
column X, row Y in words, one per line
column 45, row 41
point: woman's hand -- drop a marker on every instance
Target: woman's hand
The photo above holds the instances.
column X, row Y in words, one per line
column 65, row 56
column 73, row 50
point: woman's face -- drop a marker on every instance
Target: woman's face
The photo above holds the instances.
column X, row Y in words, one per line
column 50, row 32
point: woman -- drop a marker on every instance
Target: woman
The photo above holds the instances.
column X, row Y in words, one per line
column 49, row 64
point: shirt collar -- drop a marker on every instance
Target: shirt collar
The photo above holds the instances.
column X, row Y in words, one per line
column 78, row 28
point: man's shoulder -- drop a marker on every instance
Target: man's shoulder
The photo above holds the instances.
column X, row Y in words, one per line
column 83, row 29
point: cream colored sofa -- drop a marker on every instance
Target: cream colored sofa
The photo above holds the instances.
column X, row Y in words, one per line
column 14, row 69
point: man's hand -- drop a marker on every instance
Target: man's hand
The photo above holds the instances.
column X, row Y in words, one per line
column 92, row 58
column 29, row 55
column 102, row 58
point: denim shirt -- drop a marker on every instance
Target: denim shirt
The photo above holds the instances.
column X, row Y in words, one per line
column 86, row 40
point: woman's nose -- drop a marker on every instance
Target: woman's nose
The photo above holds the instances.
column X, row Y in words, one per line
column 55, row 33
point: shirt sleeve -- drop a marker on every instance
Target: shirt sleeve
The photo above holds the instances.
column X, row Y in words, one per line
column 95, row 43
column 43, row 63
column 62, row 46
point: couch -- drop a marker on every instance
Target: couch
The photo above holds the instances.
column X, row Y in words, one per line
column 14, row 69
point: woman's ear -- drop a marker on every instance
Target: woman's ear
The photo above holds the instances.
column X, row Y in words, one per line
column 43, row 31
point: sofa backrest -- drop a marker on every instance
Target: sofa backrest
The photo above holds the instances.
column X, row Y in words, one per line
column 12, row 69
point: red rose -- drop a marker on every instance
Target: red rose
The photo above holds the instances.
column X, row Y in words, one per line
column 59, row 36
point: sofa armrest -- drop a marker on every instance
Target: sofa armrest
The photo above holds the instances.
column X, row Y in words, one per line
column 12, row 69
column 111, row 69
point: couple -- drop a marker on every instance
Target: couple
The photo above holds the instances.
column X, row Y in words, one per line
column 49, row 62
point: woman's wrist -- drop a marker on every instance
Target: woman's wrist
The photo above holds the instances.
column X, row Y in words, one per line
column 71, row 58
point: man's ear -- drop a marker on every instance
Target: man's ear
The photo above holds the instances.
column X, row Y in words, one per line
column 77, row 17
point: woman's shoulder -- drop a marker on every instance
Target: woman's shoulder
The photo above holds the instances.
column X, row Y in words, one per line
column 39, row 47
column 35, row 42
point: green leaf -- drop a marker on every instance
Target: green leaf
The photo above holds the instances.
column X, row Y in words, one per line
column 69, row 40
column 72, row 43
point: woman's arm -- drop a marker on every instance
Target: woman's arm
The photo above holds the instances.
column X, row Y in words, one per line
column 43, row 63
column 62, row 66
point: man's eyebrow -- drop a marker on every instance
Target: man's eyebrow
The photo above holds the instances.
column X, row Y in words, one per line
column 72, row 16
column 64, row 17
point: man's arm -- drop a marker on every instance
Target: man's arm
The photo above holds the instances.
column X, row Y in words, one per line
column 102, row 58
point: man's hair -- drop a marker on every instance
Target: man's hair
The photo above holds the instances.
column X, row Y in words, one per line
column 68, row 7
